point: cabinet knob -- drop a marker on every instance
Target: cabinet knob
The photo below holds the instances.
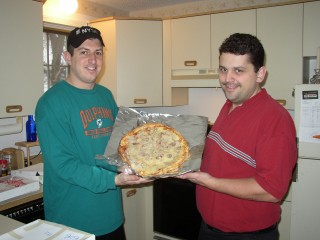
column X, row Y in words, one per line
column 140, row 101
column 190, row 63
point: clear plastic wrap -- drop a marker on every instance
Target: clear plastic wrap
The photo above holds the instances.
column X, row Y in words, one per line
column 193, row 129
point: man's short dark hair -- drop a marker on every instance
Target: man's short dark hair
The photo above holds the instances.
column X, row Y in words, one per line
column 241, row 44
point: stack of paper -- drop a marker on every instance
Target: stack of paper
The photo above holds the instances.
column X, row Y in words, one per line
column 42, row 230
column 11, row 187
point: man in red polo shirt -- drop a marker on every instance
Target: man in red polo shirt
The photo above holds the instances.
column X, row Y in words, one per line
column 249, row 154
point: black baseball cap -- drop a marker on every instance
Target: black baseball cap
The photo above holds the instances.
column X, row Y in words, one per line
column 78, row 35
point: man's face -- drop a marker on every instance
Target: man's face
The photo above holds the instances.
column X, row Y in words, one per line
column 85, row 64
column 238, row 79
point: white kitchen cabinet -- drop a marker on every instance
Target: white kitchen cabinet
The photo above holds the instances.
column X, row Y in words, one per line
column 285, row 221
column 21, row 57
column 225, row 24
column 280, row 31
column 305, row 215
column 171, row 96
column 311, row 30
column 133, row 60
column 186, row 58
column 138, row 211
column 190, row 39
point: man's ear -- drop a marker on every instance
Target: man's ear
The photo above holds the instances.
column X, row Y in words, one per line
column 67, row 57
column 261, row 74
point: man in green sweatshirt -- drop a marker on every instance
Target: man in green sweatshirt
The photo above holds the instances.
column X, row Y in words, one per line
column 74, row 122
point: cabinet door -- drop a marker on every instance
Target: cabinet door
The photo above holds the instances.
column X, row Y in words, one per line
column 285, row 221
column 139, row 63
column 21, row 57
column 138, row 211
column 305, row 213
column 133, row 61
column 280, row 31
column 311, row 29
column 225, row 24
column 191, row 42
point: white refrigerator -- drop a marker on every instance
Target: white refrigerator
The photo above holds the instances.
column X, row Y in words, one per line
column 305, row 211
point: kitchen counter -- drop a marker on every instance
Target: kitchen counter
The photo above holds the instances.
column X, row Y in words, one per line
column 8, row 224
column 16, row 201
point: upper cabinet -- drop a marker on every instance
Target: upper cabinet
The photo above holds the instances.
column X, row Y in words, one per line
column 186, row 57
column 21, row 57
column 280, row 31
column 190, row 39
column 133, row 60
column 311, row 29
column 225, row 24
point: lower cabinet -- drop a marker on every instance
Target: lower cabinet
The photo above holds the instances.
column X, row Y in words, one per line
column 138, row 210
column 285, row 222
column 305, row 216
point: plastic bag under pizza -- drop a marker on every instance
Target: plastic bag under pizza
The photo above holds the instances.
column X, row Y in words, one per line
column 167, row 145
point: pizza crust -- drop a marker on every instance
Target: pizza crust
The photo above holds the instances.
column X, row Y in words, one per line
column 154, row 149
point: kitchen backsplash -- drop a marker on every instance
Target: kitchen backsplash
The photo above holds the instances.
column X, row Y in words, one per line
column 10, row 139
column 202, row 101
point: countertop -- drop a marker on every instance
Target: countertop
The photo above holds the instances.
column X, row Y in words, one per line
column 16, row 201
column 8, row 224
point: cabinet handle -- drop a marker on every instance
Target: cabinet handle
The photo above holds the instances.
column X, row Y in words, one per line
column 13, row 108
column 140, row 101
column 131, row 192
column 295, row 174
column 190, row 63
column 283, row 102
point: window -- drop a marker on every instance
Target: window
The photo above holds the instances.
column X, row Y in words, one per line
column 54, row 66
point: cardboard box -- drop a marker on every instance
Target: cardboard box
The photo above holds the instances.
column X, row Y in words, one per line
column 34, row 172
column 42, row 230
column 11, row 187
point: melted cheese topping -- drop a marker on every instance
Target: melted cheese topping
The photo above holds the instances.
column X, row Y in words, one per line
column 154, row 149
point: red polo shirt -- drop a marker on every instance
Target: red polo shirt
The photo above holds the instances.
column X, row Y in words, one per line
column 258, row 140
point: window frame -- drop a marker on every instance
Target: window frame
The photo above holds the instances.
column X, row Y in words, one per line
column 53, row 72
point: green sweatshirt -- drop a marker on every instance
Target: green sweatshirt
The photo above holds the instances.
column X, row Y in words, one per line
column 73, row 126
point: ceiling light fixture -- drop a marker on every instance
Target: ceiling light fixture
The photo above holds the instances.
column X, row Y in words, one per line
column 68, row 6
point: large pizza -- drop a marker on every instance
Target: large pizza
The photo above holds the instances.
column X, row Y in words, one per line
column 154, row 149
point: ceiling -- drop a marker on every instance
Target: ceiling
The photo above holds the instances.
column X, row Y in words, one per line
column 136, row 5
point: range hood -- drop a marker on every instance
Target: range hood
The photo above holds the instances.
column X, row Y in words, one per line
column 194, row 78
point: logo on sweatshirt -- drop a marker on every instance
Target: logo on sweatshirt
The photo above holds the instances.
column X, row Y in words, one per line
column 93, row 119
column 99, row 122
